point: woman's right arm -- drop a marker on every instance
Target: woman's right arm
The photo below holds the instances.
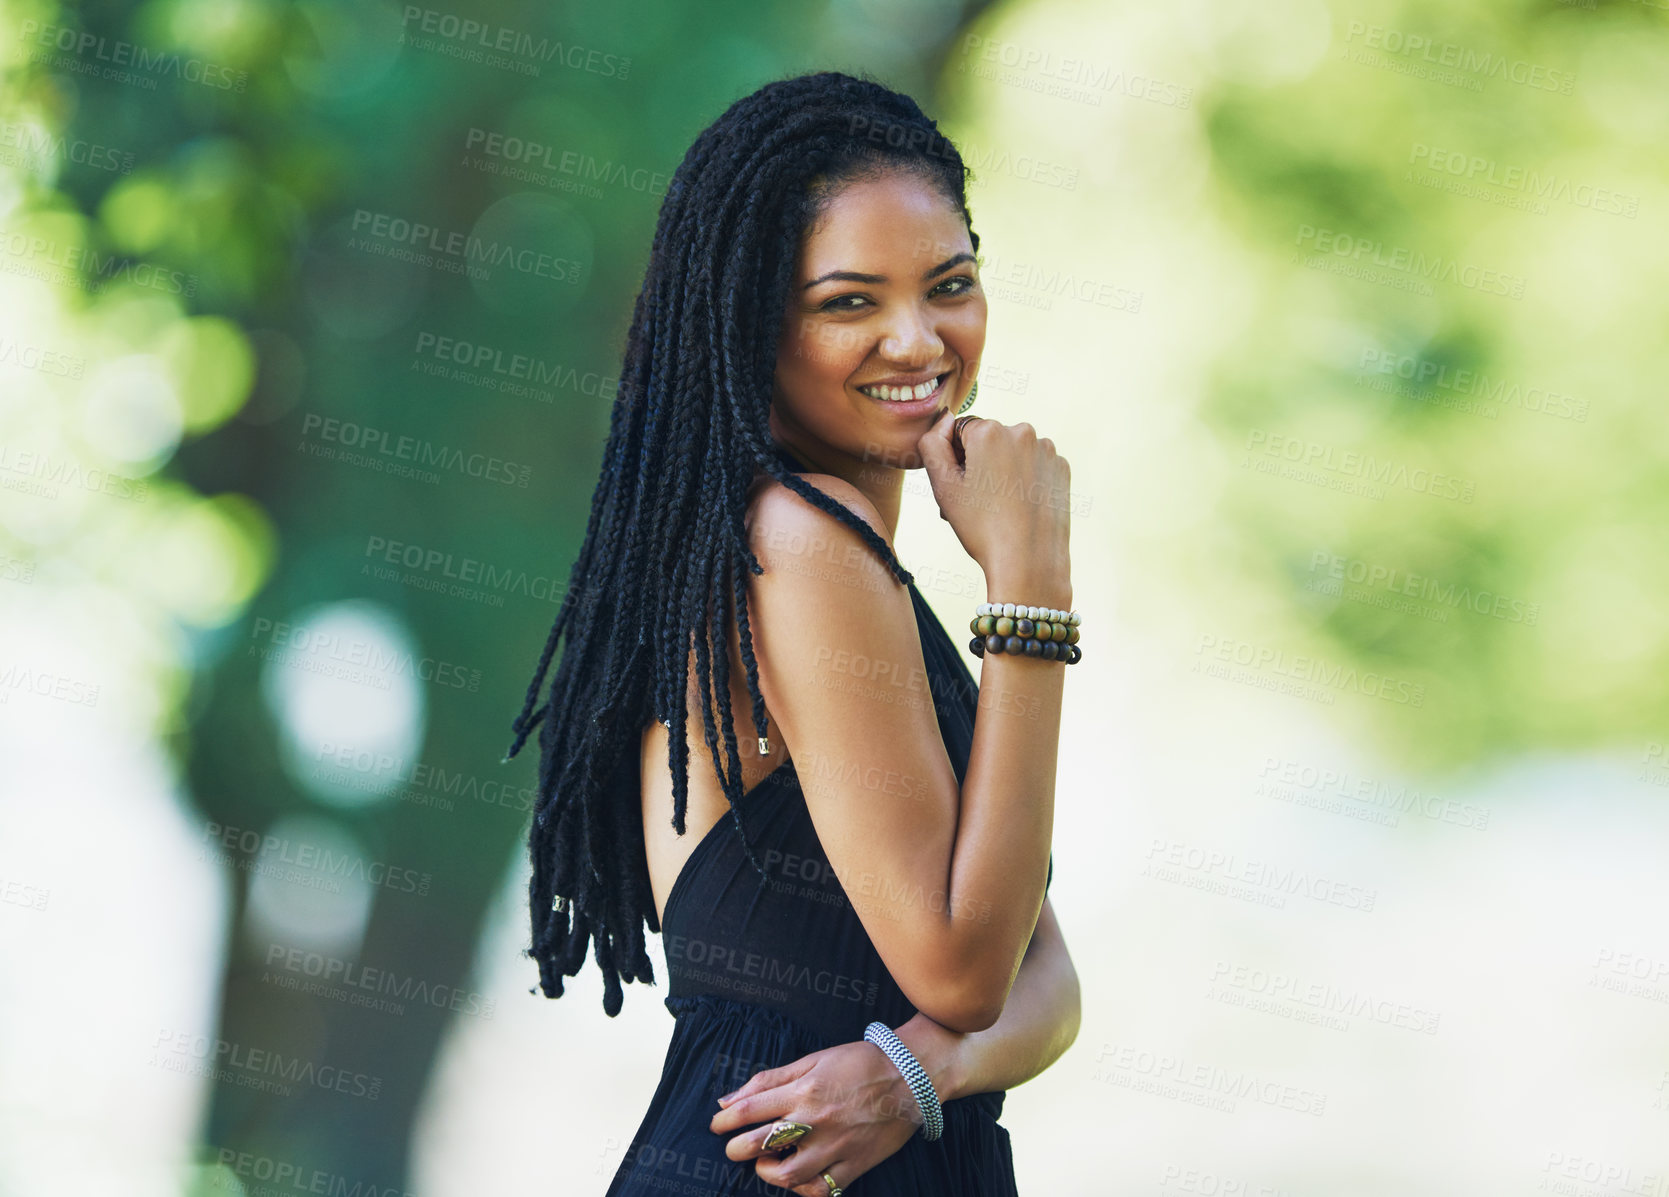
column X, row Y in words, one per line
column 948, row 884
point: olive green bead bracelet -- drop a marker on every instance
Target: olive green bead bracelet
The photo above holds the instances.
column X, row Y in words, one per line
column 1019, row 630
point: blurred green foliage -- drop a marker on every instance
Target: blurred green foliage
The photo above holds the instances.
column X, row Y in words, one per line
column 1457, row 221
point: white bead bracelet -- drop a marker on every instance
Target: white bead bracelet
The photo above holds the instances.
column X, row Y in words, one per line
column 1021, row 611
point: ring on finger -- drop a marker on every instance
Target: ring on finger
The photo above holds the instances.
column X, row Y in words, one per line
column 834, row 1189
column 956, row 439
column 784, row 1134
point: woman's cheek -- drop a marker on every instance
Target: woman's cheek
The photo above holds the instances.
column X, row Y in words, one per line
column 811, row 351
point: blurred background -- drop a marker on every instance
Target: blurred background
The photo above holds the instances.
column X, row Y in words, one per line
column 1350, row 318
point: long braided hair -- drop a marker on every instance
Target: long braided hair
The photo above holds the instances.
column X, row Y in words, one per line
column 665, row 545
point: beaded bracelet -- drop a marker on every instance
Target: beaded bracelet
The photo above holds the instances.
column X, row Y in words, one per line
column 1020, row 630
column 1025, row 646
column 1051, row 614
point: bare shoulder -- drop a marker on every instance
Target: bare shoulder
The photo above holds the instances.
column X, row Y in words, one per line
column 788, row 533
column 775, row 510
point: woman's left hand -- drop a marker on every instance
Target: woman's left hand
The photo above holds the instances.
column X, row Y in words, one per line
column 858, row 1104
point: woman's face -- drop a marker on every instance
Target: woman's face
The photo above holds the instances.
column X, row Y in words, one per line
column 885, row 324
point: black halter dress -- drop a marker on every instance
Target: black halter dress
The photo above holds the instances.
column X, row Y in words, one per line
column 763, row 971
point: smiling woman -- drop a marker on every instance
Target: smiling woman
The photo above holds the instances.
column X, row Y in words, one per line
column 858, row 935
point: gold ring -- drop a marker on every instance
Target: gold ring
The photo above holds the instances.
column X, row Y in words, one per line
column 956, row 439
column 785, row 1133
column 834, row 1189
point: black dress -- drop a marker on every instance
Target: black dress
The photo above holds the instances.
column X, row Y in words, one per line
column 764, row 971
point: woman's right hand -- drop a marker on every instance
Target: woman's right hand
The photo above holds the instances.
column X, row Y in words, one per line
column 1010, row 503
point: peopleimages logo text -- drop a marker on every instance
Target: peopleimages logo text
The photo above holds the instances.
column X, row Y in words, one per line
column 1412, row 46
column 1336, row 244
column 361, row 438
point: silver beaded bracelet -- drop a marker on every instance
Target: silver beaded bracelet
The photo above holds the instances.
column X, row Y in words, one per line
column 933, row 1115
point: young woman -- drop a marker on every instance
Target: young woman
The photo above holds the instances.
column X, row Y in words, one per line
column 861, row 952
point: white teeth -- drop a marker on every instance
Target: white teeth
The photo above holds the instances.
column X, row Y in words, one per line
column 902, row 394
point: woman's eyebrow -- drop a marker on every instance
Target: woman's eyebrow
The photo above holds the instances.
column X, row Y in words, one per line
column 852, row 276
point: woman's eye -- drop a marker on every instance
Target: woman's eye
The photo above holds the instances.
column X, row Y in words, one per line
column 958, row 285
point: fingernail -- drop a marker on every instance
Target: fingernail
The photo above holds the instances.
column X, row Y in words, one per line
column 727, row 1098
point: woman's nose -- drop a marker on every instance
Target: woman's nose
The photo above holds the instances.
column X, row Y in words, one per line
column 911, row 339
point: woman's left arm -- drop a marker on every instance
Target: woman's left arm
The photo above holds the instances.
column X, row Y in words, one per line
column 863, row 1108
column 1037, row 1025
